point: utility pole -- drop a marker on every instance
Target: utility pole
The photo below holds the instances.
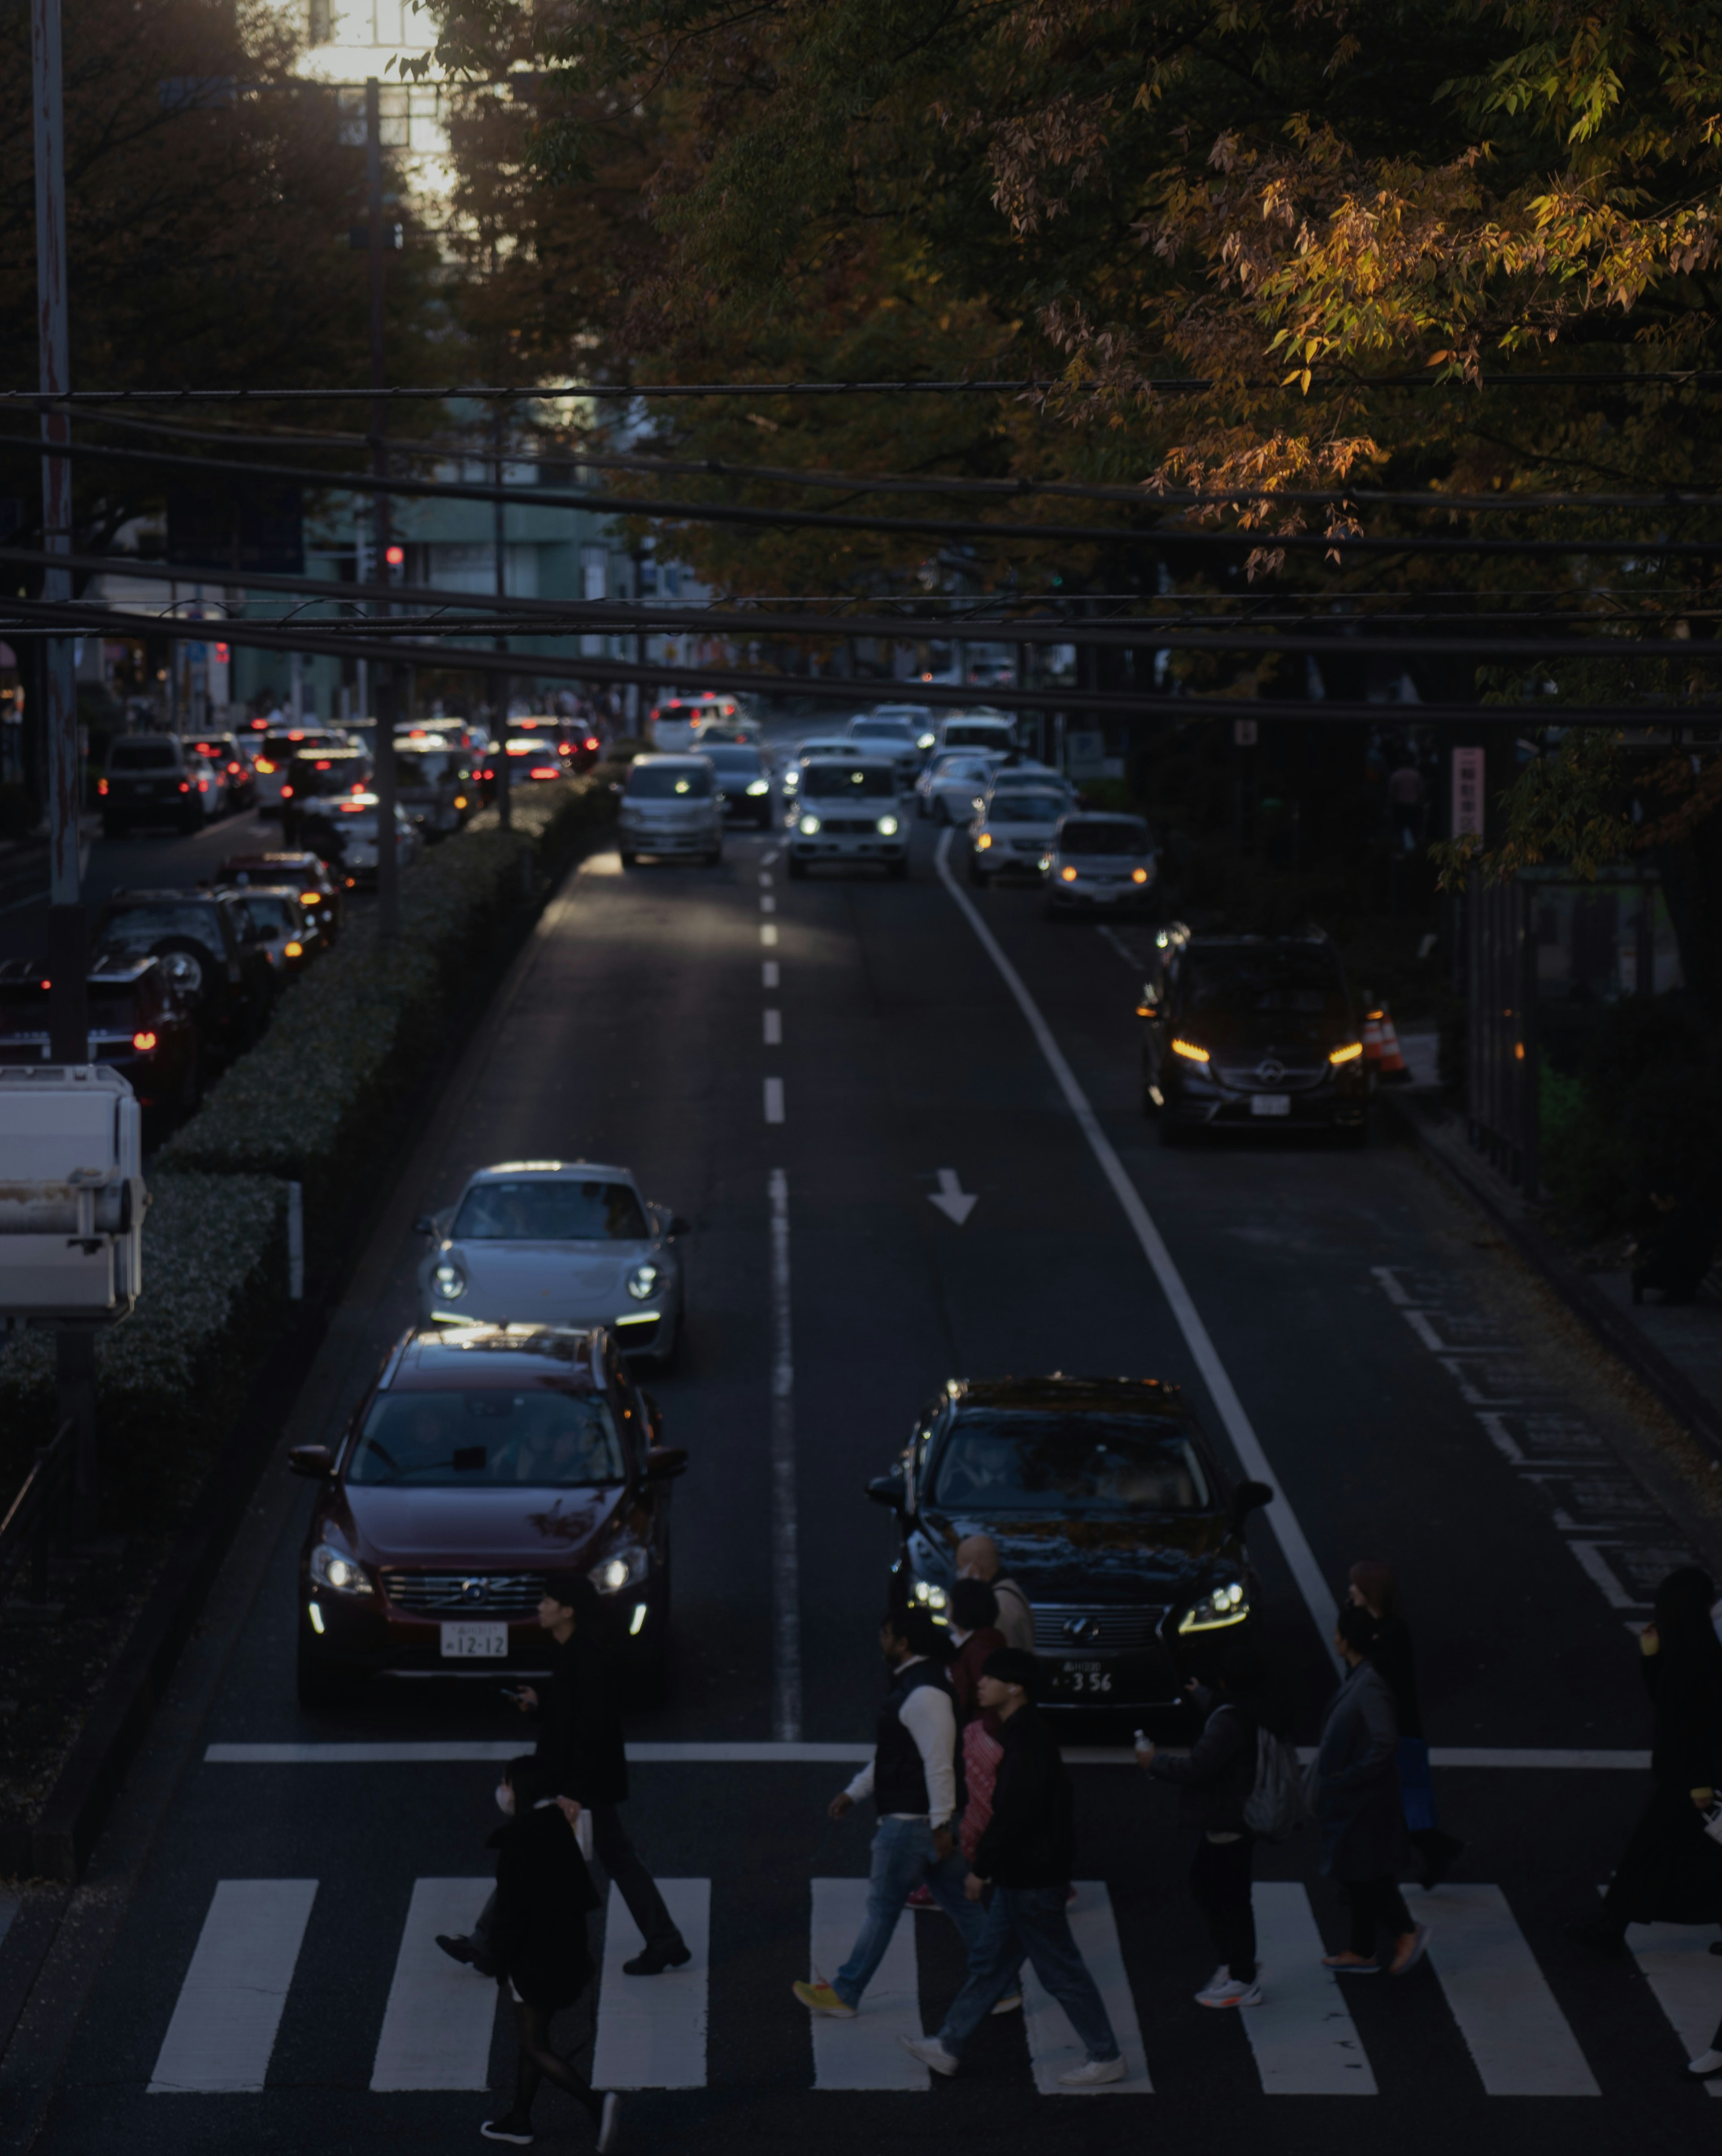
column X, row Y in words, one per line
column 387, row 855
column 505, row 815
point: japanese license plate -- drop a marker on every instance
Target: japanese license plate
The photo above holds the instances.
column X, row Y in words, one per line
column 1086, row 1679
column 1271, row 1104
column 473, row 1642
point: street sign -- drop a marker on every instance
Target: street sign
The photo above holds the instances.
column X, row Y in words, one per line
column 1468, row 792
column 1243, row 733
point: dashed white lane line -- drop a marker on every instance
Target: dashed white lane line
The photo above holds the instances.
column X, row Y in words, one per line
column 773, row 1026
column 767, row 903
column 1317, row 1598
column 768, row 978
column 768, row 934
column 765, row 878
column 774, row 1100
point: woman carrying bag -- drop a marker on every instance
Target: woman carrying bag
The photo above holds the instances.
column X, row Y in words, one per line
column 1353, row 1793
column 1374, row 1588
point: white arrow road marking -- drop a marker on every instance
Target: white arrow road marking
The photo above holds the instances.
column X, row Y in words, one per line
column 950, row 1198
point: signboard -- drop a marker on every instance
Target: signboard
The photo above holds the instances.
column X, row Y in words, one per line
column 1468, row 792
column 1243, row 733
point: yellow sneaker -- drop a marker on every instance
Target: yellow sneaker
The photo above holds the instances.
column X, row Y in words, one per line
column 820, row 1999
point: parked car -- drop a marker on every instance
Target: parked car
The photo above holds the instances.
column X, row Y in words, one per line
column 559, row 1242
column 743, row 781
column 277, row 751
column 1260, row 1031
column 138, row 1026
column 669, row 808
column 845, row 812
column 153, row 779
column 319, row 891
column 954, row 785
column 344, row 833
column 289, row 932
column 1109, row 1509
column 480, row 1459
column 1012, row 833
column 1102, row 862
column 884, row 733
column 210, row 955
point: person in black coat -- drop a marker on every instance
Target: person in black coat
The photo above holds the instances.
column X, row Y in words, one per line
column 538, row 1943
column 1670, row 1871
column 1374, row 1588
column 1215, row 1778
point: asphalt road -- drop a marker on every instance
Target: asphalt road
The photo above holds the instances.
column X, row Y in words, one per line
column 1411, row 1396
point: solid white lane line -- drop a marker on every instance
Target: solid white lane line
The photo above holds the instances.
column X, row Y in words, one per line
column 1318, row 1599
column 865, row 2053
column 774, row 1100
column 742, row 1752
column 440, row 2019
column 1516, row 2035
column 1052, row 2045
column 785, row 1552
column 652, row 2034
column 1680, row 1970
column 1304, row 2039
column 768, row 934
column 772, row 1022
column 769, row 977
column 230, row 2003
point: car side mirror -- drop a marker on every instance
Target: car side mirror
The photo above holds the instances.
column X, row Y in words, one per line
column 315, row 1461
column 1249, row 1497
column 891, row 1489
column 664, row 1462
column 425, row 1225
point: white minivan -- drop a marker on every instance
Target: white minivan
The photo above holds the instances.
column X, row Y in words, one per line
column 671, row 808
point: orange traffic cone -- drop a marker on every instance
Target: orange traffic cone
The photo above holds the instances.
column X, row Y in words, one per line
column 1372, row 1041
column 1394, row 1071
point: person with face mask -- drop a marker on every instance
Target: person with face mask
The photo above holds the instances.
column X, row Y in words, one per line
column 978, row 1558
column 538, row 1943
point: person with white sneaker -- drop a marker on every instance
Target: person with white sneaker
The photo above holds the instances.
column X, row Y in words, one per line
column 1216, row 1778
column 1025, row 1857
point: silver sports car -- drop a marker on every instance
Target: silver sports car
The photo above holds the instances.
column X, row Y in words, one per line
column 552, row 1242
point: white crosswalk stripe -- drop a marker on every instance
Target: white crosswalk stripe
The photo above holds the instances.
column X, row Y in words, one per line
column 1518, row 2038
column 651, row 2031
column 1680, row 1970
column 439, row 2020
column 235, row 1991
column 865, row 2053
column 1052, row 2043
column 1303, row 2034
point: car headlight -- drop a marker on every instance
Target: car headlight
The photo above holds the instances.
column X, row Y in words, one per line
column 923, row 741
column 1227, row 1605
column 1347, row 1052
column 642, row 1283
column 887, row 827
column 808, row 826
column 930, row 1595
column 334, row 1568
column 450, row 1280
column 1068, row 873
column 1191, row 1050
column 983, row 840
column 792, row 779
column 625, row 1566
column 758, row 786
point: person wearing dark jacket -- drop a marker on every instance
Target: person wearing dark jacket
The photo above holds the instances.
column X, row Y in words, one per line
column 1025, row 1857
column 538, row 1943
column 1355, row 1792
column 1670, row 1871
column 580, row 1745
column 1215, row 1778
column 1374, row 1588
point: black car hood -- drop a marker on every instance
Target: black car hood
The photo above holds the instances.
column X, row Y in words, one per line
column 1091, row 1560
column 1245, row 1038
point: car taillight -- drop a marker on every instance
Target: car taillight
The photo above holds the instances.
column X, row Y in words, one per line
column 143, row 1042
column 544, row 771
column 322, row 765
column 185, row 786
column 565, row 748
column 203, row 786
column 101, row 786
column 296, row 950
column 592, row 741
column 264, row 764
column 286, row 793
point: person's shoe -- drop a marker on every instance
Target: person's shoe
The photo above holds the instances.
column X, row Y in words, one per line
column 1704, row 2065
column 457, row 1948
column 1229, row 1990
column 510, row 2129
column 1351, row 1964
column 610, row 2122
column 820, row 1999
column 1410, row 1953
column 1011, row 2003
column 930, row 2052
column 653, row 1960
column 1092, row 2073
column 919, row 1897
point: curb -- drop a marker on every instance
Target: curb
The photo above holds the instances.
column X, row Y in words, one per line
column 1670, row 1385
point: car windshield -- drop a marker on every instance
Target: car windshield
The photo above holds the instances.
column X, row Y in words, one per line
column 1306, row 981
column 545, row 1440
column 746, row 762
column 281, row 748
column 977, row 737
column 831, row 782
column 143, row 756
column 961, row 769
column 1122, row 835
column 141, row 927
column 267, row 913
column 547, row 1210
column 1026, row 808
column 998, row 1459
column 424, row 768
column 668, row 782
column 896, row 730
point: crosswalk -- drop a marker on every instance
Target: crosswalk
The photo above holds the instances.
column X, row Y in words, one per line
column 439, row 2021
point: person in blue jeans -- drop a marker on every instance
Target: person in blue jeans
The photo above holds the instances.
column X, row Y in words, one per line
column 1025, row 1857
column 913, row 1778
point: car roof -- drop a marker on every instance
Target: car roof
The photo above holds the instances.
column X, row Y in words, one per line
column 551, row 1171
column 482, row 1358
column 845, row 754
column 1062, row 1394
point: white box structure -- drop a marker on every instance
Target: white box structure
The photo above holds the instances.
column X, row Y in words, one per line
column 72, row 1196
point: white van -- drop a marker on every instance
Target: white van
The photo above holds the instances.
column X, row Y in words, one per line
column 671, row 808
column 972, row 730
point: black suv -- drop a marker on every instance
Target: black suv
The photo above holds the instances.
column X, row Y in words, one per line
column 1110, row 1511
column 1258, row 1032
column 138, row 1026
column 153, row 778
column 209, row 952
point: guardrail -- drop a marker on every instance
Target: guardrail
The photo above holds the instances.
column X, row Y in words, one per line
column 39, row 1508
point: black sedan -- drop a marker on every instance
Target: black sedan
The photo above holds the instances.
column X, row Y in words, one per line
column 1109, row 1510
column 209, row 952
column 743, row 781
column 138, row 1026
column 1254, row 1032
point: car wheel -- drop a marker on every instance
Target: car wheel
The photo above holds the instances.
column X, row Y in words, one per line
column 797, row 869
column 316, row 1684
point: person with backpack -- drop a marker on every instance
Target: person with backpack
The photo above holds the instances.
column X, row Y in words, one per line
column 1215, row 1780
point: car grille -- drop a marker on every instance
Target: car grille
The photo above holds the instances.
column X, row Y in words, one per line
column 1067, row 1629
column 1271, row 1079
column 848, row 827
column 509, row 1593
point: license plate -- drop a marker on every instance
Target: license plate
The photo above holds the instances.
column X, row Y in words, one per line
column 1085, row 1678
column 473, row 1642
column 1271, row 1104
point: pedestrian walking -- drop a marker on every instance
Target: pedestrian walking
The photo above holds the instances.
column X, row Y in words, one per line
column 975, row 1635
column 978, row 1558
column 1374, row 1588
column 912, row 1778
column 580, row 1744
column 1355, row 1796
column 1670, row 1871
column 1214, row 1779
column 538, row 1943
column 1026, row 1858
